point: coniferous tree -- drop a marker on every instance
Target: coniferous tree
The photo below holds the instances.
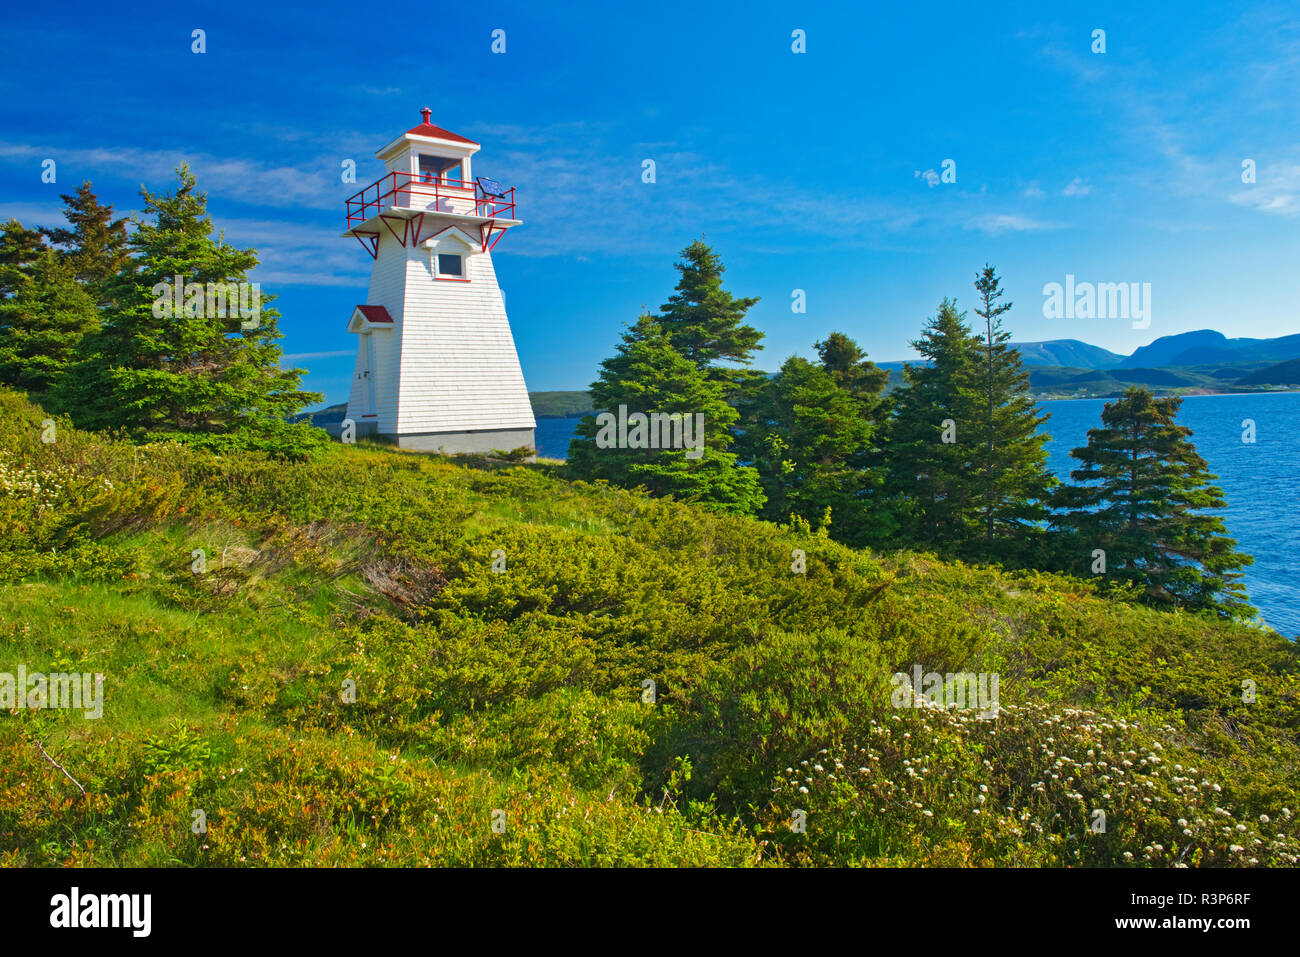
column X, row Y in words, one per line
column 42, row 323
column 860, row 377
column 852, row 370
column 202, row 373
column 96, row 245
column 20, row 248
column 650, row 398
column 1009, row 460
column 804, row 433
column 809, row 432
column 705, row 323
column 931, row 435
column 1139, row 511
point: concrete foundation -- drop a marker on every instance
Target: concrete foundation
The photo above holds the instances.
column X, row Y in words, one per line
column 478, row 442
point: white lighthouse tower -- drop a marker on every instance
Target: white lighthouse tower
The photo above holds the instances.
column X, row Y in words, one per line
column 436, row 365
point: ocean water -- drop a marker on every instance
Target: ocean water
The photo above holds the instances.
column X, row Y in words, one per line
column 1258, row 480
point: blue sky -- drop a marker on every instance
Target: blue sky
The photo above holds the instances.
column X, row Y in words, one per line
column 806, row 171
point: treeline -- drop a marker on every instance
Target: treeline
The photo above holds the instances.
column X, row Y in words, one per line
column 559, row 405
column 94, row 324
column 951, row 462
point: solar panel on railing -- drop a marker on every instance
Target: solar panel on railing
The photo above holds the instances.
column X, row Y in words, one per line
column 491, row 187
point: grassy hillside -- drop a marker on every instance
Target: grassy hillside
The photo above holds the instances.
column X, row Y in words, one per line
column 1279, row 374
column 524, row 689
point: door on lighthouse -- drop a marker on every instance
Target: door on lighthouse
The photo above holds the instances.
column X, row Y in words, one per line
column 368, row 373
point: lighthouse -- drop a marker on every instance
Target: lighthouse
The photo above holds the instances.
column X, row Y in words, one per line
column 436, row 366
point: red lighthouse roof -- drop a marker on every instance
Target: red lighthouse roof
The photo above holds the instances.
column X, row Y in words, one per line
column 437, row 132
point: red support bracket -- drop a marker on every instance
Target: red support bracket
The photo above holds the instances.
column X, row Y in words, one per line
column 485, row 233
column 405, row 223
column 374, row 238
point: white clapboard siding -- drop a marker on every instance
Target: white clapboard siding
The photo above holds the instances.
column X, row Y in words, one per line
column 387, row 289
column 459, row 368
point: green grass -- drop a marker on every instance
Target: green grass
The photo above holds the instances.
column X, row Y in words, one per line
column 522, row 691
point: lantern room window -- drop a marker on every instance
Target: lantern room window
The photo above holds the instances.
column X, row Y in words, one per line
column 439, row 169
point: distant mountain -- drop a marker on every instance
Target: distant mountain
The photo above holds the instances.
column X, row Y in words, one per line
column 1067, row 352
column 1206, row 346
column 1204, row 361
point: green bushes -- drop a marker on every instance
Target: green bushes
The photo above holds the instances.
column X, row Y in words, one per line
column 383, row 649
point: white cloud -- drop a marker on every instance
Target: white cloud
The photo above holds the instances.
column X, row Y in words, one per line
column 580, row 193
column 302, row 356
column 34, row 214
column 1010, row 222
column 1276, row 190
column 316, row 185
column 295, row 253
column 1077, row 187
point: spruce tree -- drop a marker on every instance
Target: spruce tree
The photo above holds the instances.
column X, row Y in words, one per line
column 849, row 366
column 20, row 248
column 202, row 373
column 805, row 434
column 42, row 323
column 1009, row 461
column 809, row 430
column 648, row 377
column 1141, row 511
column 931, row 437
column 96, row 247
column 705, row 323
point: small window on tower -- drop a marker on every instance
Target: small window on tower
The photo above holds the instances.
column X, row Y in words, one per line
column 450, row 264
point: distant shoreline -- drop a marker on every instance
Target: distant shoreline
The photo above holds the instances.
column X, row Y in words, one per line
column 1182, row 395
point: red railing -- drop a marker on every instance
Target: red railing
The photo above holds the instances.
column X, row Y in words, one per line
column 426, row 191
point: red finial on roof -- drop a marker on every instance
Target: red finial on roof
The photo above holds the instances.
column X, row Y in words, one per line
column 436, row 132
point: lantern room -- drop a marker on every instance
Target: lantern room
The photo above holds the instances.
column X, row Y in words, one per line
column 430, row 175
column 430, row 153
